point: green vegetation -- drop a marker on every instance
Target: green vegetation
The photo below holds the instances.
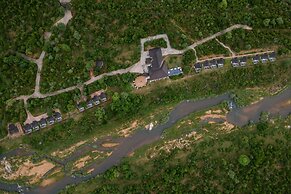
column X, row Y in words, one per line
column 23, row 23
column 246, row 160
column 128, row 106
column 98, row 30
column 211, row 48
column 155, row 43
column 66, row 102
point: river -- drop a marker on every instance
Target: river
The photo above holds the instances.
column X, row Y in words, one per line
column 241, row 116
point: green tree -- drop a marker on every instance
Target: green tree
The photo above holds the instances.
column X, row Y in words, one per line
column 223, row 4
column 100, row 115
column 244, row 160
column 266, row 22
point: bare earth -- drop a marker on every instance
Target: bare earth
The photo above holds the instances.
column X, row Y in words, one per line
column 127, row 131
column 66, row 152
column 81, row 162
column 109, row 145
column 33, row 171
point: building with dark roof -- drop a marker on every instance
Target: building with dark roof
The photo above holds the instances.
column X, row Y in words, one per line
column 220, row 63
column 42, row 123
column 175, row 71
column 27, row 128
column 157, row 69
column 96, row 100
column 264, row 58
column 50, row 120
column 103, row 97
column 35, row 126
column 12, row 129
column 256, row 59
column 198, row 67
column 272, row 56
column 90, row 104
column 99, row 64
column 206, row 64
column 235, row 62
column 80, row 107
column 58, row 116
column 213, row 64
column 243, row 61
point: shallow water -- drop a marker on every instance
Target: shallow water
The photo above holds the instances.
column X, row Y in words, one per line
column 275, row 105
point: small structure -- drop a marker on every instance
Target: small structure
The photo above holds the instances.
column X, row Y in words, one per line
column 198, row 67
column 90, row 104
column 27, row 128
column 80, row 107
column 231, row 105
column 256, row 59
column 175, row 71
column 140, row 81
column 157, row 69
column 272, row 56
column 50, row 120
column 103, row 97
column 243, row 61
column 220, row 63
column 213, row 64
column 12, row 129
column 99, row 64
column 96, row 100
column 206, row 64
column 42, row 123
column 264, row 58
column 235, row 62
column 35, row 126
column 58, row 116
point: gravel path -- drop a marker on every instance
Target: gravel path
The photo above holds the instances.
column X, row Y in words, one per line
column 227, row 47
column 136, row 68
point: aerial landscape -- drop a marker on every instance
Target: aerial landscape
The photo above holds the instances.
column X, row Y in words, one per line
column 122, row 96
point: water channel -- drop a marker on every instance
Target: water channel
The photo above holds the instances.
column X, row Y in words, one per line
column 276, row 105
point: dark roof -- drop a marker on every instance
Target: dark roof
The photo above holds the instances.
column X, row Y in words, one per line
column 264, row 56
column 34, row 124
column 27, row 127
column 96, row 98
column 57, row 115
column 90, row 102
column 158, row 69
column 206, row 64
column 148, row 60
column 12, row 129
column 234, row 60
column 220, row 61
column 272, row 55
column 198, row 65
column 256, row 58
column 99, row 63
column 50, row 118
column 243, row 59
column 102, row 95
column 42, row 121
column 213, row 62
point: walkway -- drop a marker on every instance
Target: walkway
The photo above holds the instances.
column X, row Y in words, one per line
column 136, row 68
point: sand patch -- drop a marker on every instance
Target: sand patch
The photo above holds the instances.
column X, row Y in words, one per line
column 210, row 116
column 90, row 170
column 34, row 171
column 109, row 145
column 82, row 162
column 127, row 131
column 47, row 182
column 227, row 127
column 66, row 152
